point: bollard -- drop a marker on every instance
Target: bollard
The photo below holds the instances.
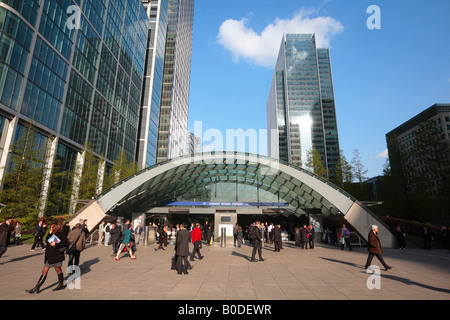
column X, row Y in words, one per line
column 223, row 238
column 146, row 236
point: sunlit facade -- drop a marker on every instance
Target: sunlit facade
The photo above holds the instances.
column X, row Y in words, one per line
column 74, row 71
column 301, row 107
column 157, row 11
column 173, row 121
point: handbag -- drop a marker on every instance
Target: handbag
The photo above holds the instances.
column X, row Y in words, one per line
column 73, row 247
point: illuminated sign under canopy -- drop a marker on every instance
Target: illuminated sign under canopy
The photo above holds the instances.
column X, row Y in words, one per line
column 228, row 204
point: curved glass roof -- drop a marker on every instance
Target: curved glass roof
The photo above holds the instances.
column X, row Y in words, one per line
column 225, row 177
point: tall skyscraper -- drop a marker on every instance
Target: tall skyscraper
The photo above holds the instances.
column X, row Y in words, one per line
column 74, row 71
column 301, row 107
column 173, row 120
column 157, row 11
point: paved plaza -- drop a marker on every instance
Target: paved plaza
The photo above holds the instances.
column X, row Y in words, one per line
column 227, row 274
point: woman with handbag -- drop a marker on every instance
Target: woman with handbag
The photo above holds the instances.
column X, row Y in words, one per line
column 54, row 256
column 77, row 243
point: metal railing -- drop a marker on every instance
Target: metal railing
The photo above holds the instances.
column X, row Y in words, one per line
column 361, row 242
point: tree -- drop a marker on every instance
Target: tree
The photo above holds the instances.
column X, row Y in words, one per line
column 344, row 171
column 314, row 161
column 22, row 184
column 122, row 168
column 358, row 168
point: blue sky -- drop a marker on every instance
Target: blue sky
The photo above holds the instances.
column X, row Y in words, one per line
column 381, row 77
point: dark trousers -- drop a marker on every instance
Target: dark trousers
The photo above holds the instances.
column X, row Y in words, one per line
column 115, row 247
column 182, row 263
column 38, row 241
column 196, row 250
column 277, row 245
column 379, row 256
column 257, row 247
column 3, row 250
column 74, row 258
column 348, row 243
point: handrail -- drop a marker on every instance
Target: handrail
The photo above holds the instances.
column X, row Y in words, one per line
column 361, row 242
column 90, row 238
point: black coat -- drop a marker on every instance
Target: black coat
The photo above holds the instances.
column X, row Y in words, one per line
column 303, row 235
column 182, row 245
column 56, row 254
column 4, row 234
column 116, row 234
column 277, row 234
column 312, row 233
column 259, row 235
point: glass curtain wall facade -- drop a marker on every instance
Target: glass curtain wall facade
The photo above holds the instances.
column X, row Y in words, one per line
column 74, row 70
column 173, row 121
column 157, row 11
column 301, row 106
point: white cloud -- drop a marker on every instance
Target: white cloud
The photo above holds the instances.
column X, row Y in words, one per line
column 262, row 49
column 383, row 155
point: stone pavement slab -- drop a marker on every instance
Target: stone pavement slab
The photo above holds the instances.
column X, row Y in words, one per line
column 325, row 273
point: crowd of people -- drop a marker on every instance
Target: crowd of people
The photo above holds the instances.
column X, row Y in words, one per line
column 61, row 241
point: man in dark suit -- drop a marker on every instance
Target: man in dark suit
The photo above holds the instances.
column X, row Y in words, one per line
column 311, row 236
column 304, row 237
column 256, row 237
column 277, row 239
column 116, row 234
column 375, row 249
column 182, row 252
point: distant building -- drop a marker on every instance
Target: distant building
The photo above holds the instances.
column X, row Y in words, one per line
column 301, row 105
column 174, row 111
column 193, row 144
column 157, row 11
column 405, row 162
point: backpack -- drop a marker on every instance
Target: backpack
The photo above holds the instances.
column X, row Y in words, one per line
column 252, row 234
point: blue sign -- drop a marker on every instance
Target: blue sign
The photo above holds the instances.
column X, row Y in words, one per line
column 228, row 204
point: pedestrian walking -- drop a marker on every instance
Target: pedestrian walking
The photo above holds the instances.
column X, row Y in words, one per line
column 78, row 237
column 240, row 236
column 116, row 234
column 54, row 256
column 208, row 236
column 162, row 231
column 196, row 236
column 39, row 233
column 182, row 249
column 107, row 234
column 235, row 231
column 256, row 237
column 401, row 241
column 137, row 233
column 101, row 233
column 446, row 236
column 277, row 239
column 375, row 249
column 17, row 233
column 5, row 233
column 427, row 238
column 311, row 236
column 304, row 237
column 126, row 243
column 345, row 234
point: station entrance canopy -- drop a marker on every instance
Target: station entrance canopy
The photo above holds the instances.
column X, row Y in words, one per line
column 227, row 178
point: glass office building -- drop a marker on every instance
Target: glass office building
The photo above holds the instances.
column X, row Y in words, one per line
column 74, row 71
column 157, row 11
column 301, row 107
column 173, row 120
